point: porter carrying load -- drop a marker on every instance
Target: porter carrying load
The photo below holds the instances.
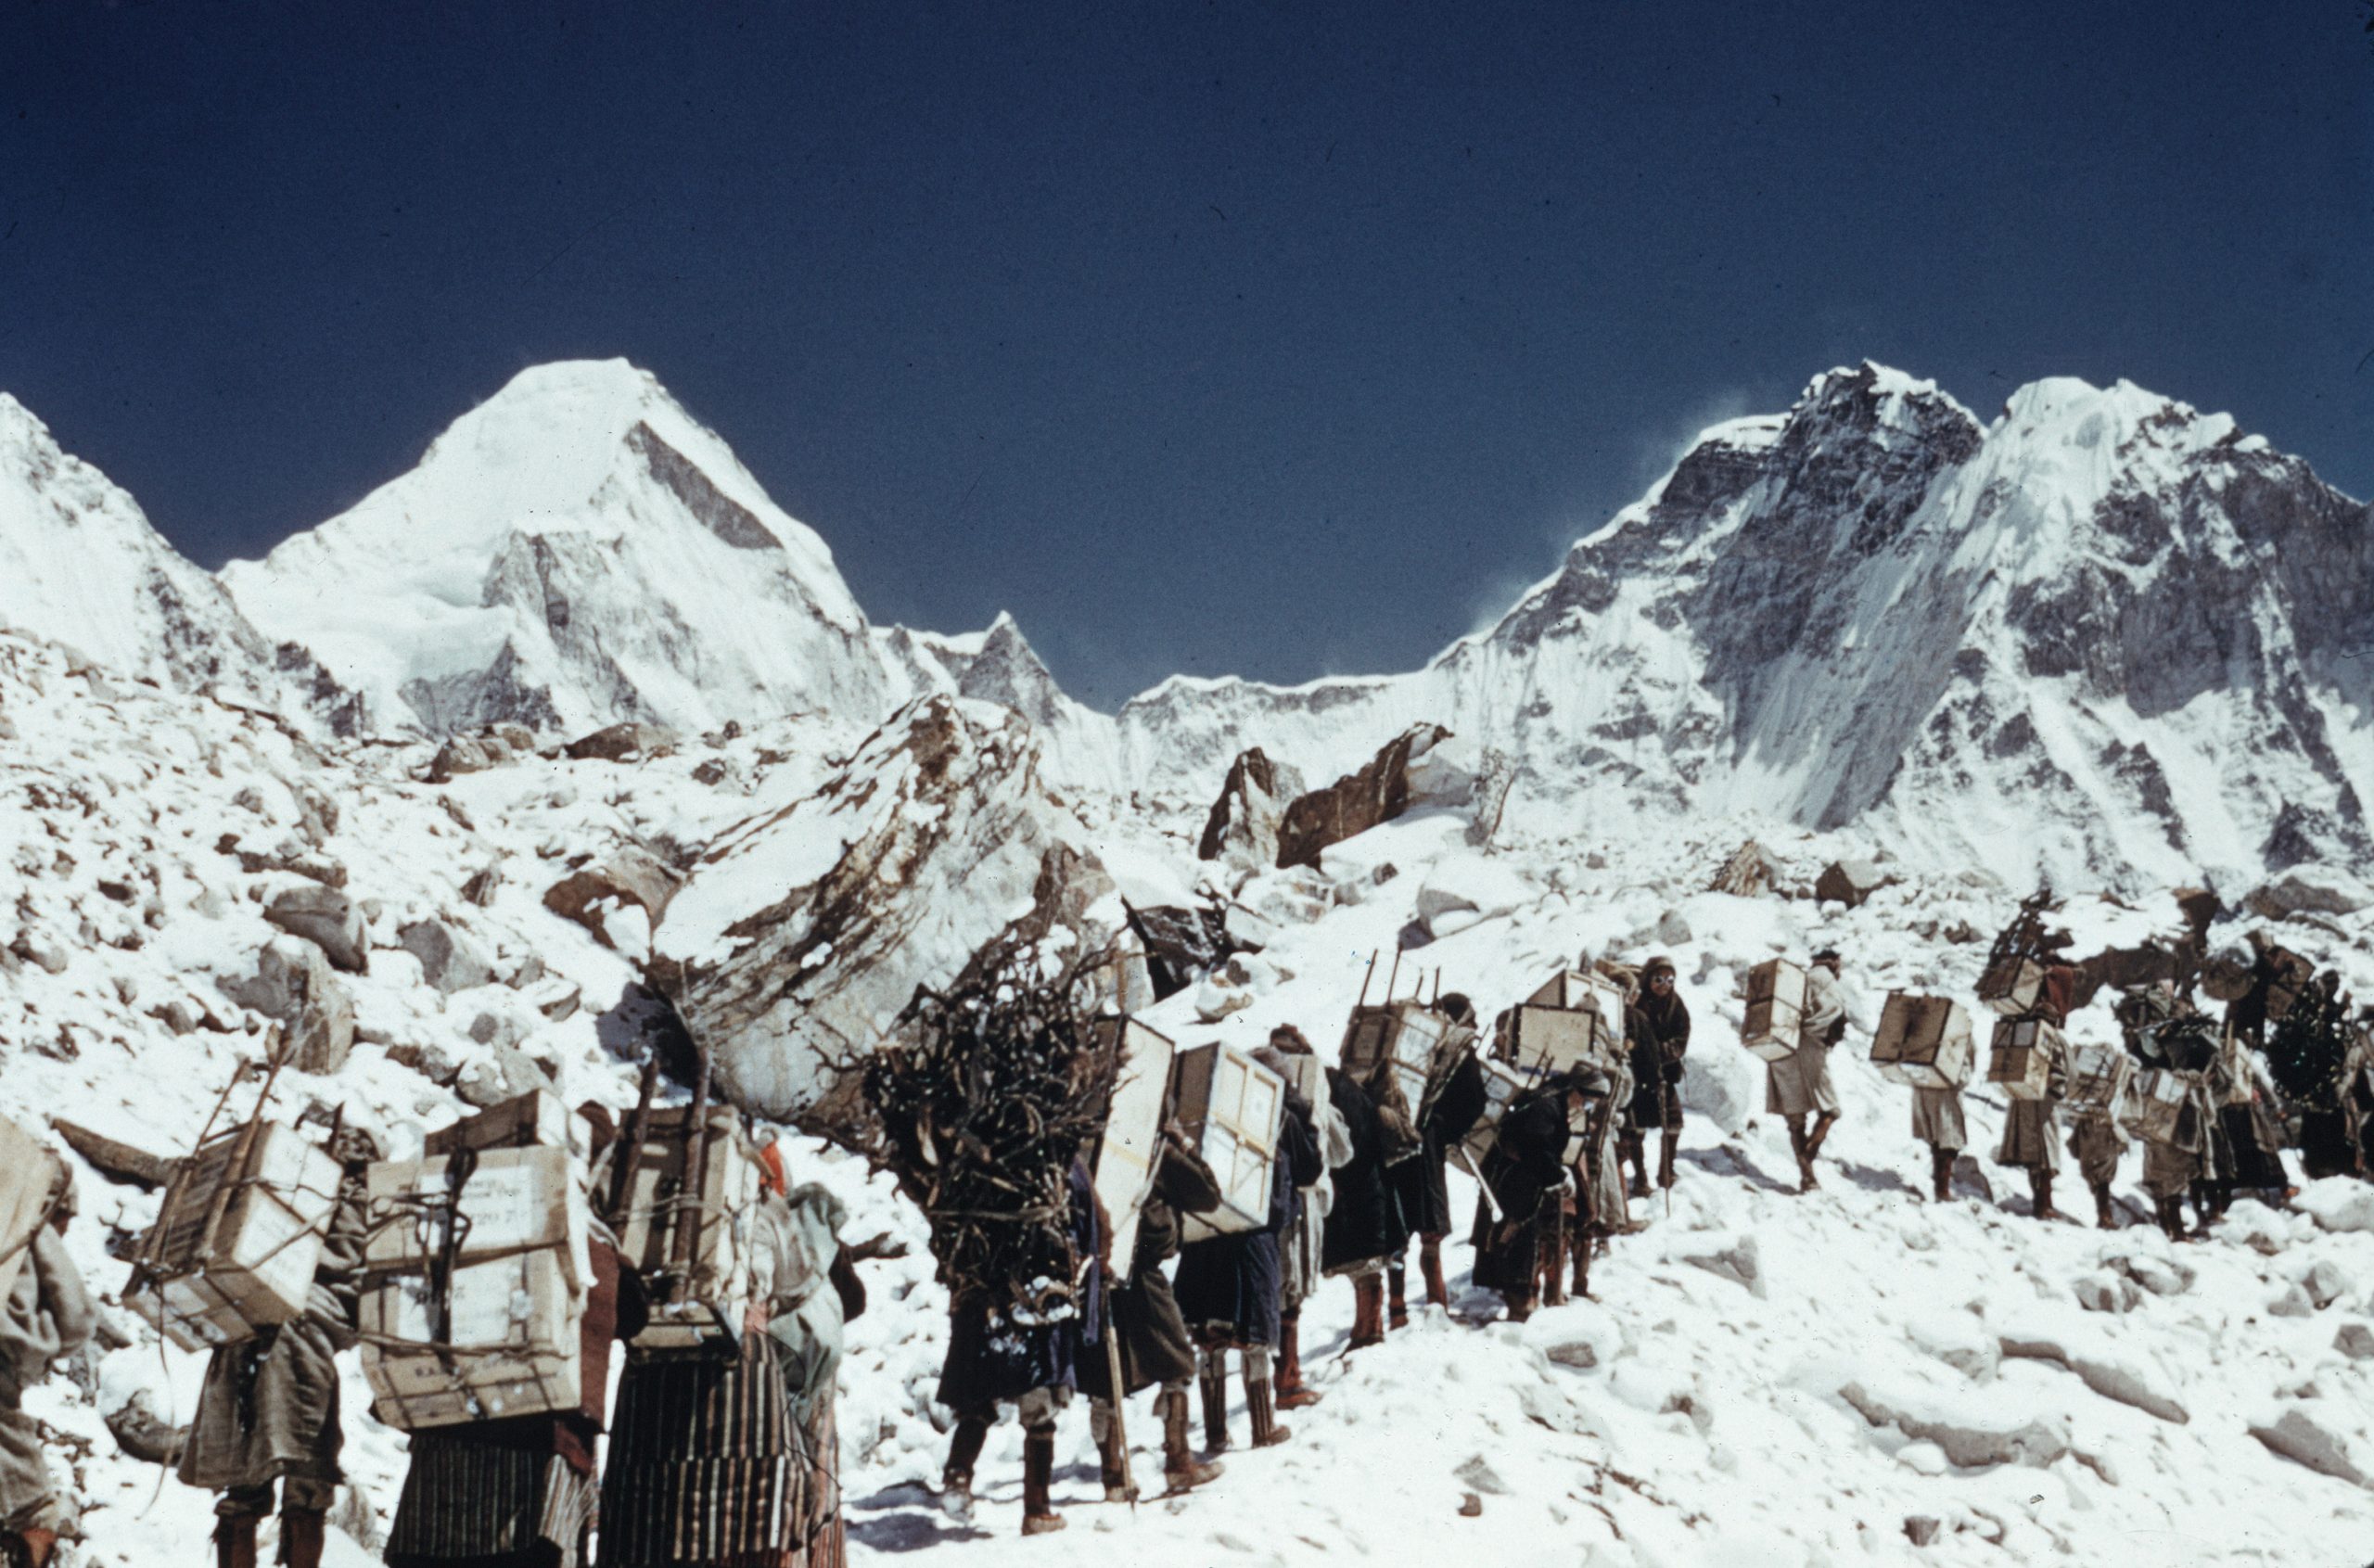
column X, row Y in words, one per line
column 1232, row 1109
column 238, row 1235
column 2014, row 977
column 476, row 1270
column 1128, row 1155
column 2021, row 1057
column 1923, row 1041
column 1776, row 1009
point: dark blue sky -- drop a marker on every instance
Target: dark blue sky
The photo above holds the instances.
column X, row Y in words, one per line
column 1276, row 338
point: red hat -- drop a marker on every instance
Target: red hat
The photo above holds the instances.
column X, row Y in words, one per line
column 775, row 1180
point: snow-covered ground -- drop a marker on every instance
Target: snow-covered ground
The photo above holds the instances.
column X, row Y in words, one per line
column 1765, row 1377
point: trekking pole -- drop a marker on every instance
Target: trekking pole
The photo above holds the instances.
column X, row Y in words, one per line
column 1120, row 1396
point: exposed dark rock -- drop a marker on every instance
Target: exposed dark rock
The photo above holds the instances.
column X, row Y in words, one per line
column 1378, row 793
column 327, row 918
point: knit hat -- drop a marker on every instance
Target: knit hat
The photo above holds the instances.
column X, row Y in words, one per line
column 1657, row 965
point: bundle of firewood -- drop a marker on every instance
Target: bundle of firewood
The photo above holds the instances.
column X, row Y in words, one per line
column 987, row 1092
column 2309, row 1047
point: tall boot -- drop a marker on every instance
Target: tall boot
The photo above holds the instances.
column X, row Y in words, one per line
column 1581, row 1245
column 1820, row 1133
column 2170, row 1213
column 1181, row 1468
column 1667, row 1147
column 1553, row 1267
column 1112, row 1461
column 1038, row 1515
column 1293, row 1395
column 40, row 1546
column 1430, row 1265
column 2103, row 1215
column 1632, row 1149
column 2040, row 1192
column 1397, row 1281
column 1259, row 1401
column 1941, row 1172
column 956, row 1476
column 301, row 1537
column 1213, row 1379
column 1368, row 1312
column 1798, row 1146
column 235, row 1540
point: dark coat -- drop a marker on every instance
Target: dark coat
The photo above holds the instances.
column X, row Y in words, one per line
column 1366, row 1222
column 991, row 1359
column 1418, row 1184
column 1523, row 1171
column 1230, row 1286
column 1156, row 1345
column 1659, row 1031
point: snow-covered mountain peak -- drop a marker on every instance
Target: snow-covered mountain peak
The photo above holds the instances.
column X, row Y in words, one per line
column 575, row 551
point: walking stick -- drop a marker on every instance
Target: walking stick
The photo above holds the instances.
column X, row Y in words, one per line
column 1366, row 977
column 1120, row 1396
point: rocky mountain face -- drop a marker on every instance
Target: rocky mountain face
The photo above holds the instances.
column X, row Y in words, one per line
column 80, row 565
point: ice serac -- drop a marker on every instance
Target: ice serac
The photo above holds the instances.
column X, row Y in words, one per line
column 2107, row 635
column 802, row 933
column 80, row 565
column 575, row 552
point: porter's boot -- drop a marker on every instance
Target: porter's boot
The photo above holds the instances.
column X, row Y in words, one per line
column 2171, row 1212
column 1798, row 1146
column 40, row 1546
column 1214, row 1379
column 1430, row 1265
column 1368, row 1312
column 1820, row 1133
column 1633, row 1150
column 1667, row 1145
column 2103, row 1214
column 2040, row 1193
column 1181, row 1468
column 301, row 1537
column 1038, row 1515
column 1291, row 1393
column 1553, row 1268
column 1581, row 1247
column 956, row 1478
column 1112, row 1460
column 1941, row 1172
column 1259, row 1402
column 1397, row 1307
column 235, row 1540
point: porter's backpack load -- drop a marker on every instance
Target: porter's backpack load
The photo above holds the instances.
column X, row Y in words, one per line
column 476, row 1270
column 28, row 1177
column 1129, row 1153
column 238, row 1237
column 2021, row 1057
column 1502, row 1084
column 706, row 1301
column 1576, row 991
column 2098, row 1076
column 498, row 1337
column 1232, row 1109
column 1398, row 1053
column 2162, row 1109
column 2011, row 984
column 1544, row 1042
column 1924, row 1041
column 536, row 1119
column 1776, row 1009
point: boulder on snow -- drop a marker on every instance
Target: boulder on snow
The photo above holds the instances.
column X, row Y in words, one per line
column 629, row 876
column 327, row 918
column 2314, row 1440
column 2101, row 1368
column 2354, row 1341
column 141, row 1432
column 619, row 742
column 1971, row 1431
column 1463, row 893
column 479, row 888
column 1379, row 792
column 1750, row 872
column 460, row 755
column 294, row 985
column 1244, row 822
column 1850, row 883
column 116, row 1161
column 1726, row 1087
column 2337, row 1203
column 1726, row 1255
column 802, row 933
column 1180, row 945
column 2309, row 890
column 449, row 961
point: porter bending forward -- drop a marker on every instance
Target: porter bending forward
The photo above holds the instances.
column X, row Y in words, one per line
column 268, row 1410
column 48, row 1314
column 1798, row 1085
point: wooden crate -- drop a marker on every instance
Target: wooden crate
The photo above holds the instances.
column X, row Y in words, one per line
column 535, row 1119
column 1502, row 1084
column 1578, row 990
column 516, row 1346
column 708, row 1304
column 513, row 1201
column 2012, row 985
column 2019, row 1059
column 2162, row 1108
column 1776, row 1009
column 1232, row 1109
column 1543, row 1042
column 1924, row 1041
column 28, row 1177
column 2098, row 1076
column 209, row 1283
column 1131, row 1151
column 1406, row 1040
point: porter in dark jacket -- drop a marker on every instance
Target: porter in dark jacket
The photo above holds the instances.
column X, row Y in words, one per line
column 1365, row 1227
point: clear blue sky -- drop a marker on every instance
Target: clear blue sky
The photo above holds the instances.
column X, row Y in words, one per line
column 1276, row 338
